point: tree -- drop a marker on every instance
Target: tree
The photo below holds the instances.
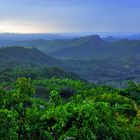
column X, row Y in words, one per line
column 8, row 125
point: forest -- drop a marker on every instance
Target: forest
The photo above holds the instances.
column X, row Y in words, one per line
column 45, row 103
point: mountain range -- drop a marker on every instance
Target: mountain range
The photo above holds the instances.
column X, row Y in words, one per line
column 82, row 47
column 90, row 57
column 95, row 47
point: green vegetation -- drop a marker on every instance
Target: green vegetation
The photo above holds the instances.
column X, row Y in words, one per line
column 49, row 107
column 93, row 59
column 11, row 74
column 17, row 56
column 41, row 100
column 108, row 71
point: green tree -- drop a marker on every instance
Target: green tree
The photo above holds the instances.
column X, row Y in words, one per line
column 8, row 125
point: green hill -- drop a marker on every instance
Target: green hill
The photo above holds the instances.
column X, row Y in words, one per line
column 83, row 47
column 95, row 47
column 15, row 56
column 90, row 57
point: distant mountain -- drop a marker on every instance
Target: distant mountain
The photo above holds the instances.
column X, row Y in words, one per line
column 81, row 47
column 97, row 61
column 14, row 56
column 116, row 37
column 134, row 37
column 95, row 47
column 49, row 46
column 46, row 46
column 21, row 37
column 110, row 39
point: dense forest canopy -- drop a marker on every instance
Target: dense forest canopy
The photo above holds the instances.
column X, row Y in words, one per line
column 60, row 106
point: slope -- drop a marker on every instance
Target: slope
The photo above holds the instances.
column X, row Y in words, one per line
column 13, row 56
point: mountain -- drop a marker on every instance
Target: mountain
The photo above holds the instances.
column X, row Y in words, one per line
column 21, row 37
column 134, row 37
column 95, row 47
column 110, row 39
column 13, row 56
column 30, row 62
column 46, row 46
column 108, row 71
column 49, row 46
column 81, row 47
column 90, row 57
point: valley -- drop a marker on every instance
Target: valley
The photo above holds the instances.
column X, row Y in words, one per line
column 90, row 57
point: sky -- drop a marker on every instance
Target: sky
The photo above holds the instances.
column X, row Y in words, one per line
column 54, row 16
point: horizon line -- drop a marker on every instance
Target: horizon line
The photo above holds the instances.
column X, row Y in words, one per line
column 69, row 32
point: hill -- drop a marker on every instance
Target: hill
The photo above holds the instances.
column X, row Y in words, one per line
column 49, row 46
column 81, row 47
column 108, row 71
column 90, row 57
column 95, row 47
column 14, row 56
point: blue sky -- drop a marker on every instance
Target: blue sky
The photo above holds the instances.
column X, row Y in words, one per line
column 43, row 16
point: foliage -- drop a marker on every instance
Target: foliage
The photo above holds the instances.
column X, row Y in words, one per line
column 73, row 110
